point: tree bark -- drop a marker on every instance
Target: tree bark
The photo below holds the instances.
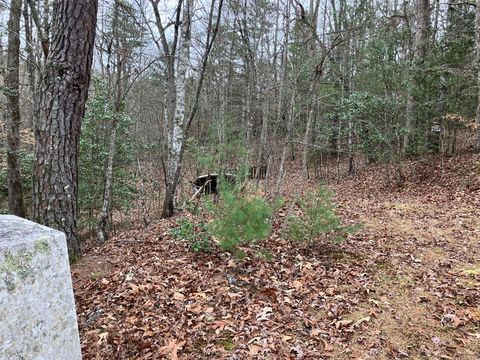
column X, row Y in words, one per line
column 62, row 105
column 119, row 94
column 31, row 63
column 12, row 93
column 41, row 27
column 176, row 133
column 314, row 5
column 103, row 216
column 420, row 43
column 181, row 124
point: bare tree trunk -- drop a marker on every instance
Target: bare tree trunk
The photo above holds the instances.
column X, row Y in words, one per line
column 291, row 121
column 408, row 119
column 15, row 191
column 42, row 28
column 306, row 142
column 314, row 6
column 176, row 133
column 103, row 216
column 477, row 60
column 30, row 62
column 181, row 124
column 251, row 78
column 263, row 142
column 62, row 105
column 281, row 109
column 119, row 94
column 351, row 158
column 419, row 52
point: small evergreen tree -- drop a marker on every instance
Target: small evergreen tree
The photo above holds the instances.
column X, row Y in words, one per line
column 239, row 219
column 317, row 217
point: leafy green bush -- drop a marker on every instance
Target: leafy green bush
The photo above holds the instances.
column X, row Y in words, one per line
column 184, row 231
column 193, row 233
column 94, row 150
column 318, row 218
column 239, row 219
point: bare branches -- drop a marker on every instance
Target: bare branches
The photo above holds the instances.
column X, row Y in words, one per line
column 44, row 40
column 170, row 52
column 211, row 36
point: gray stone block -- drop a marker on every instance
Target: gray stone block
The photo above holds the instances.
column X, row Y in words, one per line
column 37, row 309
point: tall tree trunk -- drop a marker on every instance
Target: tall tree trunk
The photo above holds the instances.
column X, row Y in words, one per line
column 420, row 43
column 306, row 141
column 62, row 105
column 281, row 109
column 107, row 194
column 477, row 44
column 12, row 93
column 176, row 133
column 42, row 27
column 261, row 157
column 291, row 120
column 314, row 6
column 31, row 62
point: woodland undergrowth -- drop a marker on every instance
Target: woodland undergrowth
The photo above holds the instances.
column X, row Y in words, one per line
column 405, row 284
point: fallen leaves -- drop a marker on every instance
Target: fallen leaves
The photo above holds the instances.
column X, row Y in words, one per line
column 343, row 323
column 172, row 348
column 396, row 289
column 264, row 314
column 178, row 296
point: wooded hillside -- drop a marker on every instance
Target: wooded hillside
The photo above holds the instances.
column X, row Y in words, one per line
column 252, row 178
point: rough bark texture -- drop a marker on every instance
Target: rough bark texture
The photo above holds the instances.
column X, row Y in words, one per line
column 314, row 5
column 15, row 191
column 62, row 105
column 306, row 140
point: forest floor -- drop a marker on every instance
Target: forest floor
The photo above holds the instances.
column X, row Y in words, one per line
column 405, row 286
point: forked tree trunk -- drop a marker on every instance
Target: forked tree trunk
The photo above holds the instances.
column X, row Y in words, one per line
column 176, row 133
column 62, row 105
column 15, row 191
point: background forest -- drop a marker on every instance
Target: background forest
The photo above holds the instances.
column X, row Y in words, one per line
column 239, row 86
column 276, row 179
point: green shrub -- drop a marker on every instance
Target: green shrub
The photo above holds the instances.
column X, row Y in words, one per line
column 193, row 233
column 317, row 218
column 93, row 157
column 239, row 219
